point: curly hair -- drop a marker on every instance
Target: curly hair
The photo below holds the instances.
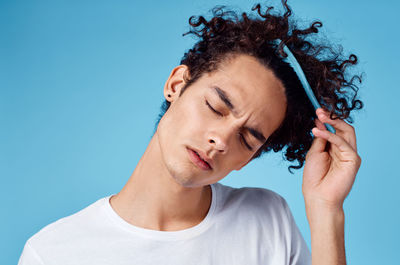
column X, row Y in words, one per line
column 228, row 34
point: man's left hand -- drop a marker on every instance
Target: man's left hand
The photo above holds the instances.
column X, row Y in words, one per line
column 329, row 172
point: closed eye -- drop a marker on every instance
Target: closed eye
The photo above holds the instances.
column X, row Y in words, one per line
column 245, row 142
column 211, row 108
column 241, row 135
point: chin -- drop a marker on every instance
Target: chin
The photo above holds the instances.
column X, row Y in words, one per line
column 187, row 183
column 182, row 175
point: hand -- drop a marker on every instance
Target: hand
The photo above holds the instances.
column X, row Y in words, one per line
column 329, row 173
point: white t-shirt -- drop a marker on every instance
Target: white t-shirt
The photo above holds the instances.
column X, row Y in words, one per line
column 243, row 226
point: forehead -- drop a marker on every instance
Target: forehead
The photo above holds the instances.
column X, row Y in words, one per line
column 254, row 90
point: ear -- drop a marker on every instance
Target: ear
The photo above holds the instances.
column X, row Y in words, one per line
column 175, row 82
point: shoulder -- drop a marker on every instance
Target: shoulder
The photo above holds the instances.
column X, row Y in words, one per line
column 252, row 195
column 263, row 214
column 67, row 227
column 254, row 200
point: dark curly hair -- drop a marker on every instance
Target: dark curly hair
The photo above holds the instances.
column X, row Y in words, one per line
column 227, row 34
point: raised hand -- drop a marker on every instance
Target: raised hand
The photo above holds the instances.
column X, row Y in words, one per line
column 330, row 171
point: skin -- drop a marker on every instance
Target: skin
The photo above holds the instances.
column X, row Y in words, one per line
column 328, row 177
column 168, row 192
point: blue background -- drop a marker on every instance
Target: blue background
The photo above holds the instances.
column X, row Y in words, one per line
column 81, row 87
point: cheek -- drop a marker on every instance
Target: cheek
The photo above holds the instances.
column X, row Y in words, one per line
column 193, row 117
column 238, row 159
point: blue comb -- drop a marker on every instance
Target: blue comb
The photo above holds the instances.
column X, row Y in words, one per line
column 290, row 59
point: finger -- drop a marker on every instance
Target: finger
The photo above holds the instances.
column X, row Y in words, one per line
column 318, row 145
column 343, row 129
column 339, row 124
column 334, row 139
column 320, row 125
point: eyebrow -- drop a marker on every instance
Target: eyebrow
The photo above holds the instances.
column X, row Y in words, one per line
column 225, row 98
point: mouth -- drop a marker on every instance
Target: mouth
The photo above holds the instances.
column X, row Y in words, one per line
column 197, row 160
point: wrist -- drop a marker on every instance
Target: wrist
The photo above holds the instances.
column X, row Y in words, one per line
column 319, row 211
column 327, row 233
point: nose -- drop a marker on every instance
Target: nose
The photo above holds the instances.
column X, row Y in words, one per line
column 220, row 146
column 219, row 140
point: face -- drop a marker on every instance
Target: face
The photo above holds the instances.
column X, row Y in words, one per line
column 224, row 117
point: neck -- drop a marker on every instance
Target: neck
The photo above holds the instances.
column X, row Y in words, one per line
column 152, row 199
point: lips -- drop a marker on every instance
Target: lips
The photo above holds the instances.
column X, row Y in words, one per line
column 198, row 160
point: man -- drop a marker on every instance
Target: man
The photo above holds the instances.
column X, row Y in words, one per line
column 172, row 210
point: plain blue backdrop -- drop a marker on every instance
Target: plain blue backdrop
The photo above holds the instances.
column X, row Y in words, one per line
column 80, row 90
